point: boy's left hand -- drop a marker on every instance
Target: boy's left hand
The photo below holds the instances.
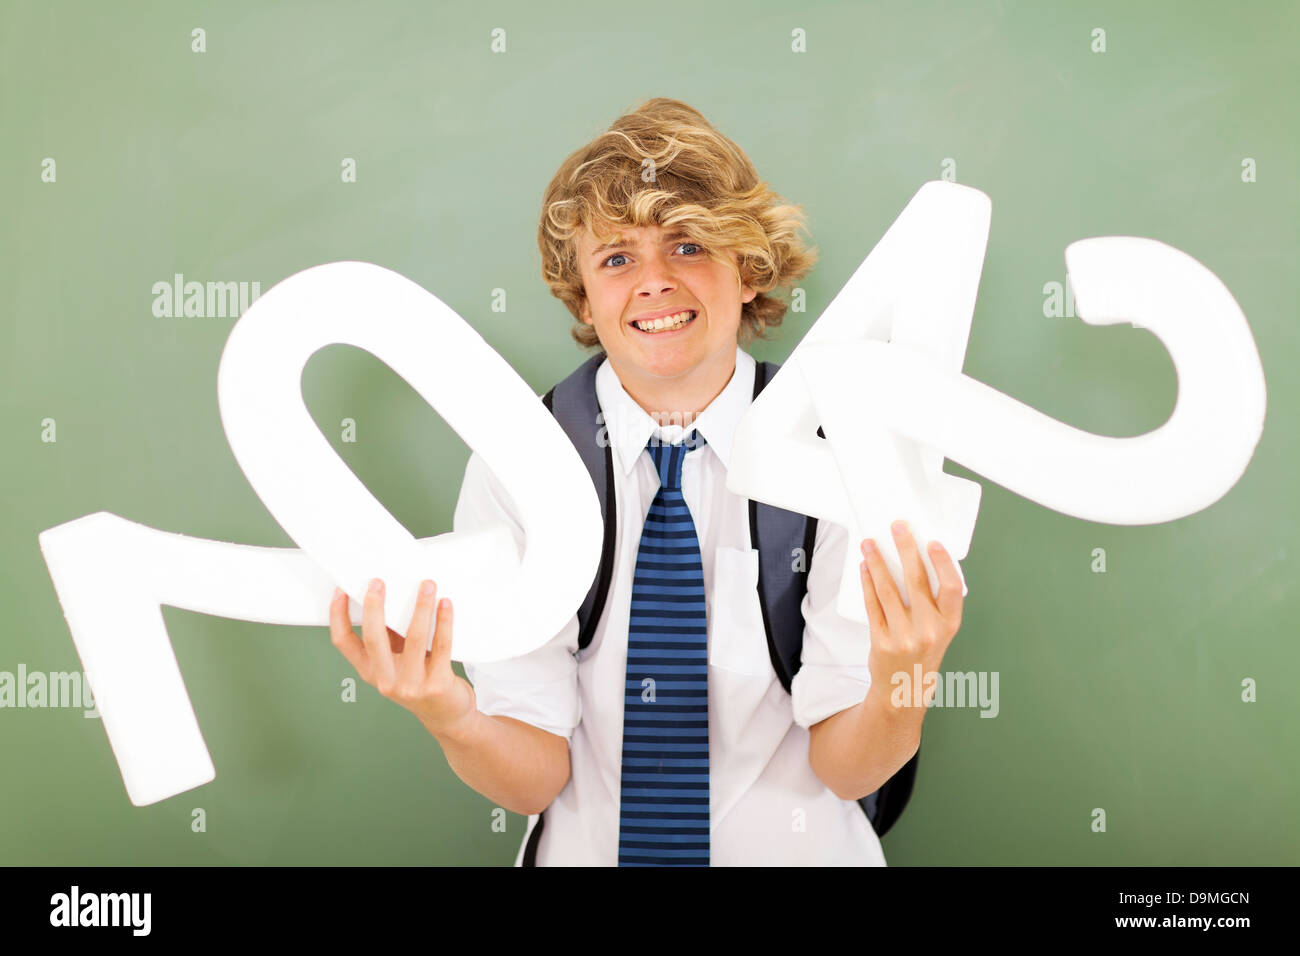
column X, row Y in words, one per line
column 903, row 636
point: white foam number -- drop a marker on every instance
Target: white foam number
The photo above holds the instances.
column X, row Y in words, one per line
column 112, row 575
column 880, row 372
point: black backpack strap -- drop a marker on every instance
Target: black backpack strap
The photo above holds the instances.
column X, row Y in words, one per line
column 777, row 535
column 574, row 404
column 534, row 838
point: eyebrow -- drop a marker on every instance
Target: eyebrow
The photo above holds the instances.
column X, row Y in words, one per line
column 623, row 243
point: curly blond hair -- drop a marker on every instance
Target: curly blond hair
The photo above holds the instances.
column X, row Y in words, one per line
column 702, row 183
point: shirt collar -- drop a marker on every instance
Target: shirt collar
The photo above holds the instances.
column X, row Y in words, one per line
column 629, row 427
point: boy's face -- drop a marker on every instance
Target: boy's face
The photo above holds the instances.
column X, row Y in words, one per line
column 650, row 271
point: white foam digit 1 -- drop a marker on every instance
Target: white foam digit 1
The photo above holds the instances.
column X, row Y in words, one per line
column 867, row 393
column 112, row 575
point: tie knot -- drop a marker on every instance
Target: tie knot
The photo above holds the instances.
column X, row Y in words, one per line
column 668, row 458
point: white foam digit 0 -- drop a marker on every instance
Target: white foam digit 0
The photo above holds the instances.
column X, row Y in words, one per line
column 505, row 605
column 112, row 575
column 880, row 371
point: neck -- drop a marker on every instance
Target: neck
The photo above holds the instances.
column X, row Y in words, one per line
column 678, row 400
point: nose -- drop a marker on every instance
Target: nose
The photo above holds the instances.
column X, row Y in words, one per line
column 656, row 278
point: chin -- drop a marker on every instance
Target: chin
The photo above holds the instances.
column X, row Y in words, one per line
column 668, row 366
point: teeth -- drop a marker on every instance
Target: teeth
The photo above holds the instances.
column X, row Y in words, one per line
column 667, row 322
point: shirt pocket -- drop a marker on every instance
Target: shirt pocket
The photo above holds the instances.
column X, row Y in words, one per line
column 737, row 639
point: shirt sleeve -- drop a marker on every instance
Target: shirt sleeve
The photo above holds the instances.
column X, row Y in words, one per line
column 538, row 688
column 833, row 673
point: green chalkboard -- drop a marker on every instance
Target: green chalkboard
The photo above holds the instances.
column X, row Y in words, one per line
column 1120, row 689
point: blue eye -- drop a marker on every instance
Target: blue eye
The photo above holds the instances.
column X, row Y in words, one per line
column 696, row 245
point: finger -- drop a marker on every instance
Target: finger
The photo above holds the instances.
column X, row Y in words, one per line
column 344, row 638
column 875, row 614
column 417, row 635
column 918, row 582
column 950, row 599
column 886, row 591
column 440, row 659
column 375, row 634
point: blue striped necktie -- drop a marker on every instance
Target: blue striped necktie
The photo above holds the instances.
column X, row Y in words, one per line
column 664, row 804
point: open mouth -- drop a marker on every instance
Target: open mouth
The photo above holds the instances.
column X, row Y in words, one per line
column 667, row 325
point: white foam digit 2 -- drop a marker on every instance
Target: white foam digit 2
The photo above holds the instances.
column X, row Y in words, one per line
column 112, row 575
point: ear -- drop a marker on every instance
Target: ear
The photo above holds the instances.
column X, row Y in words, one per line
column 747, row 292
column 584, row 311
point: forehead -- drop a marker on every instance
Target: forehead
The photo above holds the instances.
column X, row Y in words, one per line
column 607, row 234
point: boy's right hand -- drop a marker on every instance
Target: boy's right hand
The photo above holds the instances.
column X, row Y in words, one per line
column 400, row 669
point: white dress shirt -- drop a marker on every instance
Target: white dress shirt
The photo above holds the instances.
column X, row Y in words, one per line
column 767, row 807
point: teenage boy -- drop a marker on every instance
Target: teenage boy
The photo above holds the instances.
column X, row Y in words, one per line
column 669, row 740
